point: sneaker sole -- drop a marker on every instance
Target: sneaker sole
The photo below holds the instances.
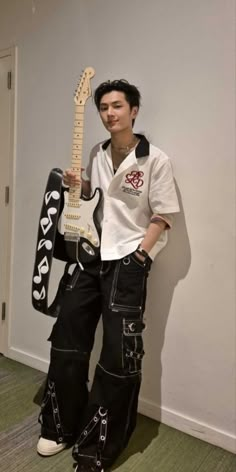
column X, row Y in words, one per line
column 43, row 452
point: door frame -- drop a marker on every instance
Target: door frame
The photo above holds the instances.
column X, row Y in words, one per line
column 6, row 325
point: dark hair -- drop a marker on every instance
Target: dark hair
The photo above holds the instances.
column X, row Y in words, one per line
column 131, row 92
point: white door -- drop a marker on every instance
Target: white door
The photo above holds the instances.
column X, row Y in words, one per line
column 6, row 160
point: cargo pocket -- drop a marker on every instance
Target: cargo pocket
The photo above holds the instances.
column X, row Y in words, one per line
column 132, row 345
column 128, row 287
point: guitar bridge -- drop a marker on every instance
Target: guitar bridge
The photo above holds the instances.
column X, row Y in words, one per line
column 71, row 237
column 73, row 249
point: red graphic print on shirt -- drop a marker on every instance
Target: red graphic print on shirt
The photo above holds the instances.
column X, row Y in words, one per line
column 134, row 178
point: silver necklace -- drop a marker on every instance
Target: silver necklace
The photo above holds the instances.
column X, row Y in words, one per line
column 125, row 149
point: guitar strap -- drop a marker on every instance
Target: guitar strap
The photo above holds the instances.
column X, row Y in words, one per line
column 45, row 246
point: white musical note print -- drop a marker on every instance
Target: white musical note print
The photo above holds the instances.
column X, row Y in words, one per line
column 48, row 219
column 54, row 194
column 45, row 242
column 39, row 295
column 43, row 268
column 46, row 222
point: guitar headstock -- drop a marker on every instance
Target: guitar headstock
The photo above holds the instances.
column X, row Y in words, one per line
column 83, row 91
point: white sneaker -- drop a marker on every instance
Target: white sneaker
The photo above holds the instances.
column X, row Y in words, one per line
column 45, row 447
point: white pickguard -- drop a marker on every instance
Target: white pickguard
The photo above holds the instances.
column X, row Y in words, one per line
column 77, row 218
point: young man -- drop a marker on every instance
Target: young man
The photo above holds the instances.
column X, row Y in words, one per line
column 139, row 199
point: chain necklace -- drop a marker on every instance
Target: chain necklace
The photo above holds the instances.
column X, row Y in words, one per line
column 125, row 149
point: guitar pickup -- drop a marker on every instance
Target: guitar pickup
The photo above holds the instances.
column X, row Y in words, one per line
column 72, row 228
column 70, row 216
column 74, row 204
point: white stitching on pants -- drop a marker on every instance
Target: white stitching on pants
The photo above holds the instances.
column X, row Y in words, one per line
column 55, row 410
column 43, row 405
column 114, row 283
column 64, row 350
column 135, row 374
column 87, row 430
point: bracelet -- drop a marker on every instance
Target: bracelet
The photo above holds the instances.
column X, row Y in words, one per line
column 142, row 251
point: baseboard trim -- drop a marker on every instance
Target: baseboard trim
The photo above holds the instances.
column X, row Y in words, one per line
column 169, row 417
column 188, row 425
column 28, row 359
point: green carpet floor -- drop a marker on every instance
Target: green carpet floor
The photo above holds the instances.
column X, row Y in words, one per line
column 154, row 447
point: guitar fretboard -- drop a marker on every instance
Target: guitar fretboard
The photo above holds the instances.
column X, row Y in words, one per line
column 75, row 192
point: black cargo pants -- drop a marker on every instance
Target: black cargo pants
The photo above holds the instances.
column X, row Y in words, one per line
column 99, row 423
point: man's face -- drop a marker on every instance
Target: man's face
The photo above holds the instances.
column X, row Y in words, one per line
column 116, row 113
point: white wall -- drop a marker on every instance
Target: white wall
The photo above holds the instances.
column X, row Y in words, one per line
column 181, row 55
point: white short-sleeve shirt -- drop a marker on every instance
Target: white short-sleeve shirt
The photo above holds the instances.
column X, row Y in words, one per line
column 142, row 186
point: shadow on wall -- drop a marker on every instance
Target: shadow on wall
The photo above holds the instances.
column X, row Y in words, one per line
column 170, row 266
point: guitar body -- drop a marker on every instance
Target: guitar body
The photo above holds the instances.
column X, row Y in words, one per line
column 78, row 232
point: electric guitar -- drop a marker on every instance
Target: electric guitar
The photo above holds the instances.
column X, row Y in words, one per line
column 68, row 227
column 78, row 227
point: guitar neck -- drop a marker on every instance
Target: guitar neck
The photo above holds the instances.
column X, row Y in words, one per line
column 76, row 162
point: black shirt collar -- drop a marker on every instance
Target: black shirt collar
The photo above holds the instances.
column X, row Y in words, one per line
column 142, row 148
